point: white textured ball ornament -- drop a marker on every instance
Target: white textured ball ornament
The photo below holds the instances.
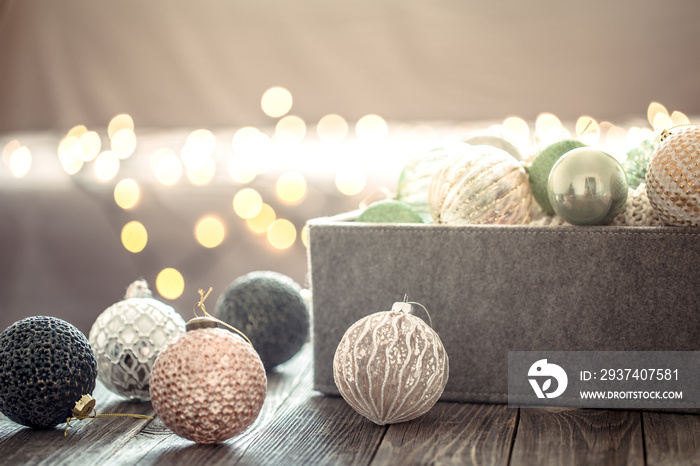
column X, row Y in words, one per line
column 673, row 177
column 208, row 384
column 486, row 185
column 127, row 338
column 391, row 366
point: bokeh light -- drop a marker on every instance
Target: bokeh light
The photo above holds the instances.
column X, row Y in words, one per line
column 332, row 129
column 123, row 143
column 350, row 180
column 261, row 222
column 209, row 231
column 276, row 102
column 70, row 154
column 20, row 162
column 290, row 130
column 549, row 129
column 281, row 234
column 587, row 130
column 118, row 123
column 134, row 236
column 76, row 131
column 247, row 203
column 241, row 169
column 654, row 109
column 127, row 194
column 371, row 128
column 91, row 144
column 202, row 174
column 305, row 236
column 291, row 187
column 679, row 118
column 662, row 121
column 170, row 283
column 166, row 167
column 106, row 166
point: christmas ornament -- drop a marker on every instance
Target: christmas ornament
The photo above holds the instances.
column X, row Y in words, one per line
column 207, row 384
column 127, row 337
column 485, row 185
column 495, row 139
column 415, row 177
column 391, row 366
column 389, row 211
column 542, row 166
column 46, row 366
column 269, row 308
column 673, row 177
column 587, row 187
column 638, row 157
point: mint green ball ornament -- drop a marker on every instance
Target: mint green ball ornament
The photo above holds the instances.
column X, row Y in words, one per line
column 389, row 211
column 542, row 165
column 587, row 187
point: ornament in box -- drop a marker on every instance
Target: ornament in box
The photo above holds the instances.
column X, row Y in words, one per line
column 391, row 366
column 587, row 187
column 268, row 308
column 46, row 366
column 485, row 185
column 635, row 165
column 208, row 384
column 495, row 138
column 673, row 177
column 389, row 211
column 127, row 338
column 542, row 166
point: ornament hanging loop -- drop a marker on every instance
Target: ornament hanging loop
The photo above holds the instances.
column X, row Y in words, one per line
column 85, row 409
column 666, row 132
column 200, row 304
column 407, row 306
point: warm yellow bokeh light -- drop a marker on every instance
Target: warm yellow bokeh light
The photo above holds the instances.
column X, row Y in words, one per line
column 247, row 203
column 70, row 154
column 290, row 130
column 241, row 169
column 261, row 222
column 118, row 123
column 106, row 166
column 548, row 128
column 281, row 234
column 134, row 236
column 371, row 128
column 305, row 236
column 9, row 149
column 332, row 129
column 167, row 167
column 350, row 180
column 127, row 193
column 517, row 128
column 170, row 283
column 91, row 144
column 123, row 143
column 202, row 174
column 20, row 162
column 198, row 149
column 587, row 130
column 209, row 231
column 291, row 187
column 276, row 102
column 76, row 131
column 679, row 118
column 662, row 121
column 654, row 109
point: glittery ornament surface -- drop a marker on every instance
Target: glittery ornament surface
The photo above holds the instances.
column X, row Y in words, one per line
column 390, row 367
column 208, row 385
column 635, row 165
column 389, row 211
column 127, row 338
column 673, row 177
column 269, row 309
column 46, row 365
column 484, row 186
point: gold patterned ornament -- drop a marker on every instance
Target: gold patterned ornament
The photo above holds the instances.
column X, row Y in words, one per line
column 673, row 176
column 486, row 185
column 391, row 366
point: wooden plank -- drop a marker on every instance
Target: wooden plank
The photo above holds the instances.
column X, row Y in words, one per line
column 452, row 433
column 156, row 444
column 578, row 436
column 671, row 439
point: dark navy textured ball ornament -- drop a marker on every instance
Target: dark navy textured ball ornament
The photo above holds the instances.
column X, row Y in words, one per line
column 269, row 309
column 46, row 366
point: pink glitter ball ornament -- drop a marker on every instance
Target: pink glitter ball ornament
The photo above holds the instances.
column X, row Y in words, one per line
column 208, row 384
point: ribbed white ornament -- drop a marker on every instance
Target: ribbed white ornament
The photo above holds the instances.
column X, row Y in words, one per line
column 391, row 366
column 673, row 177
column 485, row 186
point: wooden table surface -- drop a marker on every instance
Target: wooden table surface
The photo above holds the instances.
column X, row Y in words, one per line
column 298, row 426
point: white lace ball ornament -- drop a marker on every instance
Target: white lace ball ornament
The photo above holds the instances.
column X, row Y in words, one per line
column 127, row 338
column 486, row 185
column 673, row 177
column 391, row 366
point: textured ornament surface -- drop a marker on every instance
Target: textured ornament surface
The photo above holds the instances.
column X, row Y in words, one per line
column 127, row 338
column 542, row 166
column 587, row 187
column 389, row 211
column 46, row 365
column 391, row 367
column 208, row 385
column 673, row 177
column 484, row 186
column 269, row 309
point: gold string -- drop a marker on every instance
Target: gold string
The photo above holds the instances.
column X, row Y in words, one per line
column 80, row 417
column 200, row 305
column 667, row 131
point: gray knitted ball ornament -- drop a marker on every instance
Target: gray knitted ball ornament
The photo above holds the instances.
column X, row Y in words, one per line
column 269, row 309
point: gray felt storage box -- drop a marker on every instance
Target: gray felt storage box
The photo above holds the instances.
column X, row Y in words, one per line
column 494, row 289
